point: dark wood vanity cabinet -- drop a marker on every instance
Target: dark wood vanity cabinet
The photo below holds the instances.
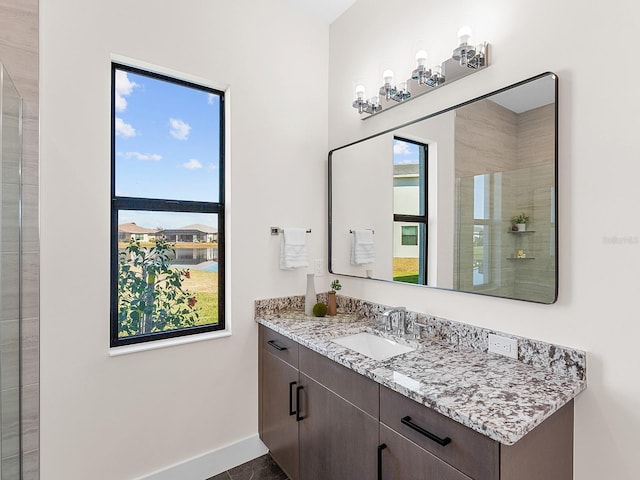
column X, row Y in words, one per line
column 278, row 377
column 323, row 421
column 318, row 419
column 466, row 450
column 337, row 439
column 418, row 438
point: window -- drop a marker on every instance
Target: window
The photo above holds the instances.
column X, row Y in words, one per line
column 410, row 211
column 409, row 235
column 481, row 230
column 167, row 207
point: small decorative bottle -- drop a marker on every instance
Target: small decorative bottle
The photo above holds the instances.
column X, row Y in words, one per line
column 331, row 307
column 310, row 298
column 335, row 287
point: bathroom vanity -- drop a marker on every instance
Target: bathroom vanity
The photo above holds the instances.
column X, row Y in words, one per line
column 442, row 411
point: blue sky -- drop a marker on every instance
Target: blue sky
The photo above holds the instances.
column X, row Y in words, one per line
column 167, row 143
column 405, row 152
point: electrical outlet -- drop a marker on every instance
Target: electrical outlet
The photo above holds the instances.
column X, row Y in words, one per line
column 318, row 267
column 503, row 346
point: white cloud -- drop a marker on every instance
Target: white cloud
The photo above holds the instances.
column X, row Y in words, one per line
column 143, row 156
column 401, row 148
column 179, row 129
column 124, row 129
column 210, row 98
column 192, row 164
column 124, row 87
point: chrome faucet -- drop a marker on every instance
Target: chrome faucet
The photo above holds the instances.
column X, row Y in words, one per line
column 388, row 319
column 416, row 328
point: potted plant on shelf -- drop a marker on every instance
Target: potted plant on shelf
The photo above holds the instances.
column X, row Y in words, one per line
column 519, row 222
column 335, row 287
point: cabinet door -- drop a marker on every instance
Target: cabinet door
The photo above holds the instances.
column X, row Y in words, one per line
column 470, row 452
column 401, row 459
column 279, row 427
column 337, row 439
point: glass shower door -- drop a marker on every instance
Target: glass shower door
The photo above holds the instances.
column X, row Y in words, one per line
column 10, row 163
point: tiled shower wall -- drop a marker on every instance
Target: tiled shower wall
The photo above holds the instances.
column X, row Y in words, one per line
column 525, row 143
column 19, row 26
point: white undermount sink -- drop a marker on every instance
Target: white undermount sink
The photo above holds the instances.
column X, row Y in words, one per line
column 373, row 346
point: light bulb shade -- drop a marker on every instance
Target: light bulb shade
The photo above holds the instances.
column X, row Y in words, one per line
column 421, row 57
column 464, row 34
column 436, row 69
column 387, row 76
column 360, row 92
column 402, row 86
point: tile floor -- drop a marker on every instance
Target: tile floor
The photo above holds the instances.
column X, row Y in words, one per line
column 261, row 468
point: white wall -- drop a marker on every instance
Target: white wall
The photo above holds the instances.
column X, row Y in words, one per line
column 598, row 171
column 121, row 417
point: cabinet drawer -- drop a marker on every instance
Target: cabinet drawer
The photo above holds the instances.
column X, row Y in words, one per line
column 282, row 347
column 468, row 451
column 353, row 387
column 402, row 459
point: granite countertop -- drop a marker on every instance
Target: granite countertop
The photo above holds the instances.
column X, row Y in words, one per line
column 497, row 396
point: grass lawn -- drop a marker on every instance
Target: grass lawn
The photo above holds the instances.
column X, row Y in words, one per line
column 406, row 270
column 407, row 278
column 205, row 286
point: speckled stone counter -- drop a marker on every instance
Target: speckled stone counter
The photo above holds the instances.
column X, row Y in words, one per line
column 499, row 397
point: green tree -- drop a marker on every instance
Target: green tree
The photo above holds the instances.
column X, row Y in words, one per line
column 150, row 293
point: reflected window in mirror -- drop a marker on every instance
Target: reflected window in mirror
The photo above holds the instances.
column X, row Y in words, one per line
column 410, row 211
column 482, row 228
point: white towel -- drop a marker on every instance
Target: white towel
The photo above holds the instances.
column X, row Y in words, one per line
column 362, row 248
column 293, row 249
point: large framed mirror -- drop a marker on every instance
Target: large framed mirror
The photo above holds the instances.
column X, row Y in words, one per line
column 463, row 199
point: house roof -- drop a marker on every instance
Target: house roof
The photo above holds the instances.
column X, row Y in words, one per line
column 198, row 227
column 133, row 228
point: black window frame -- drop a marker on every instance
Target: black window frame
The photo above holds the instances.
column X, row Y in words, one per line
column 422, row 221
column 119, row 203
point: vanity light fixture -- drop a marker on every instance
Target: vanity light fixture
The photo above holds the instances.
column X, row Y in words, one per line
column 370, row 106
column 421, row 74
column 402, row 93
column 424, row 76
column 467, row 58
column 437, row 77
column 467, row 54
column 387, row 90
column 360, row 102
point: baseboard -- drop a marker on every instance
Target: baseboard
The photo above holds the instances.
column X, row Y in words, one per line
column 212, row 463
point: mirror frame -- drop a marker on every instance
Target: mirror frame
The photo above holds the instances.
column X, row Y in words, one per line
column 554, row 77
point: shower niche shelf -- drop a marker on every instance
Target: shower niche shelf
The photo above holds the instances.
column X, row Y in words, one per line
column 522, row 242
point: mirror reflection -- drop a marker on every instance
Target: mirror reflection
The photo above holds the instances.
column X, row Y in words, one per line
column 464, row 199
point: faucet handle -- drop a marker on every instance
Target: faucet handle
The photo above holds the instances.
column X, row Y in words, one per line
column 387, row 315
column 416, row 328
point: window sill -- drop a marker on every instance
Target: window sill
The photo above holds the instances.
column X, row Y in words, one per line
column 169, row 342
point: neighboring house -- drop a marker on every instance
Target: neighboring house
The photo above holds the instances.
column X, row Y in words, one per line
column 128, row 231
column 406, row 198
column 196, row 233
